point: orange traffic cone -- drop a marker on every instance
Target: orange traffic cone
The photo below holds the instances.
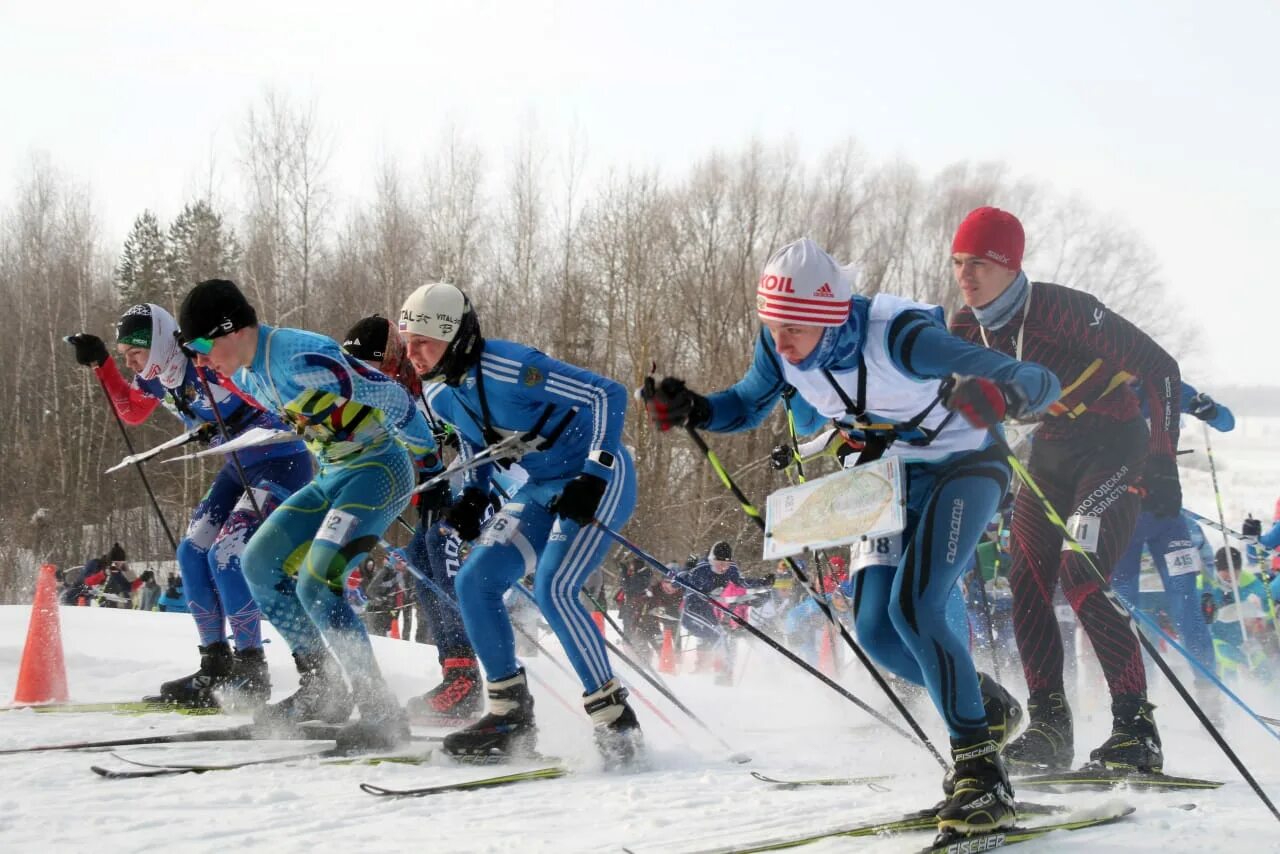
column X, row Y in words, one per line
column 598, row 616
column 42, row 676
column 667, row 658
column 826, row 655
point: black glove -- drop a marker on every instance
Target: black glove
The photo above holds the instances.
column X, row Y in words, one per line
column 1252, row 527
column 1207, row 608
column 206, row 432
column 1161, row 487
column 580, row 499
column 465, row 514
column 984, row 403
column 434, row 499
column 671, row 403
column 1203, row 407
column 767, row 580
column 90, row 351
column 781, row 457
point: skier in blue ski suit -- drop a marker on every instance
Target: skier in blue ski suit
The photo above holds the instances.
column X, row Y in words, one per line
column 578, row 470
column 1176, row 556
column 877, row 368
column 367, row 438
column 209, row 554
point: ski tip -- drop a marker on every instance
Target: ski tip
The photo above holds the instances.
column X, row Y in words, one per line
column 370, row 789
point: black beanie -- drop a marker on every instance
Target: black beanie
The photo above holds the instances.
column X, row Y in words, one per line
column 722, row 551
column 1220, row 559
column 367, row 340
column 116, row 553
column 134, row 327
column 214, row 308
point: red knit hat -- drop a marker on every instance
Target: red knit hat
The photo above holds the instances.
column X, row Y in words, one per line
column 991, row 233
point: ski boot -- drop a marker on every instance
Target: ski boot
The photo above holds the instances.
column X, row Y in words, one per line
column 197, row 691
column 1049, row 742
column 981, row 799
column 383, row 725
column 1004, row 716
column 508, row 729
column 617, row 732
column 1134, row 744
column 322, row 694
column 458, row 697
column 249, row 685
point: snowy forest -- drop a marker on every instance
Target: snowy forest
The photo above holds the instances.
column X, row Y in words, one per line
column 630, row 268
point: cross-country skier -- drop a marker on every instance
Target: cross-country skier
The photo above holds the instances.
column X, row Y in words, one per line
column 1170, row 542
column 709, row 577
column 578, row 471
column 209, row 555
column 435, row 548
column 886, row 370
column 1098, row 463
column 366, row 435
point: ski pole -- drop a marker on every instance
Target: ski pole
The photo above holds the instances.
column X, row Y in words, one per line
column 1105, row 586
column 754, row 515
column 919, row 737
column 1226, row 546
column 226, row 437
column 124, row 434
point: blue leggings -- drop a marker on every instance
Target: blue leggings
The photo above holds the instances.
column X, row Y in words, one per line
column 220, row 527
column 435, row 552
column 1164, row 537
column 904, row 614
column 298, row 561
column 525, row 537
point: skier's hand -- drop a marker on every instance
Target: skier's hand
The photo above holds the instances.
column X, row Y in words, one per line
column 984, row 403
column 1203, row 407
column 206, row 432
column 580, row 499
column 671, row 403
column 781, row 457
column 435, row 499
column 1161, row 488
column 90, row 350
column 464, row 515
column 767, row 580
column 1252, row 529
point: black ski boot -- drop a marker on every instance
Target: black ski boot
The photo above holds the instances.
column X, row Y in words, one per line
column 981, row 799
column 457, row 697
column 1004, row 717
column 1134, row 744
column 322, row 694
column 197, row 691
column 508, row 729
column 617, row 732
column 249, row 685
column 383, row 725
column 1049, row 742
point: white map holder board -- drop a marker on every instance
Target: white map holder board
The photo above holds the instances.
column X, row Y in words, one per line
column 852, row 505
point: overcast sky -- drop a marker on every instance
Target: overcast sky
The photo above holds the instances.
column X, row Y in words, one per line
column 1165, row 113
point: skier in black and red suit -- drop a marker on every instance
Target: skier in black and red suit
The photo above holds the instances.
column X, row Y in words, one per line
column 1099, row 465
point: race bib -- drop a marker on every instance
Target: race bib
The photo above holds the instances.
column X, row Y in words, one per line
column 1184, row 562
column 504, row 524
column 875, row 551
column 1084, row 530
column 336, row 527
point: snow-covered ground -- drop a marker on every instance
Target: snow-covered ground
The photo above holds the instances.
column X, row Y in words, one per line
column 691, row 799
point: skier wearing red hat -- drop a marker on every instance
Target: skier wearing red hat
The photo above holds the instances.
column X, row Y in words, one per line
column 1098, row 464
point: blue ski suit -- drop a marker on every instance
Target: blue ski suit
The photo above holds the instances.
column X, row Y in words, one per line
column 877, row 377
column 578, row 416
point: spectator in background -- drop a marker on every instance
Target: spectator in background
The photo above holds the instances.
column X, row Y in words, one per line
column 148, row 593
column 117, row 590
column 171, row 599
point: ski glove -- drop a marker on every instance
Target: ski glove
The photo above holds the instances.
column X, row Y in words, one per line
column 671, row 403
column 434, row 499
column 1252, row 529
column 984, row 403
column 580, row 499
column 466, row 514
column 206, row 432
column 90, row 351
column 1161, row 487
column 781, row 457
column 1203, row 407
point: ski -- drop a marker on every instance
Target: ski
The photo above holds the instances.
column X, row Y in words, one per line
column 948, row 843
column 327, row 756
column 823, row 781
column 245, row 732
column 1107, row 778
column 123, row 707
column 926, row 819
column 548, row 773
